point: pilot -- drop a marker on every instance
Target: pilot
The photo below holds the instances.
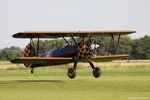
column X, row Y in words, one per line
column 63, row 45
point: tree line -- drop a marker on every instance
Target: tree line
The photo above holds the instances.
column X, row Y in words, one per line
column 137, row 48
column 10, row 53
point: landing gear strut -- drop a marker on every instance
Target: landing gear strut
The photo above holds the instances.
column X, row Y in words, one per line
column 96, row 70
column 72, row 71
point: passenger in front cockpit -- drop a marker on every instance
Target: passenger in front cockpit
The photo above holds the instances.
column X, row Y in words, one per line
column 63, row 45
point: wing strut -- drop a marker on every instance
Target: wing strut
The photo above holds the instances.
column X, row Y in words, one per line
column 65, row 40
column 31, row 42
column 112, row 47
column 73, row 39
column 37, row 47
column 117, row 43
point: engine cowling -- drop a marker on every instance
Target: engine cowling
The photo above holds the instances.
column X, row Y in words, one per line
column 91, row 48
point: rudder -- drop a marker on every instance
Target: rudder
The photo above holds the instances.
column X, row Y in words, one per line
column 29, row 51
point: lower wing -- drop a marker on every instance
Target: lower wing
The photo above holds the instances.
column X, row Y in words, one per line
column 63, row 60
column 42, row 60
column 108, row 58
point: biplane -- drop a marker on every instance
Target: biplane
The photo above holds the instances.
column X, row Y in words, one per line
column 78, row 51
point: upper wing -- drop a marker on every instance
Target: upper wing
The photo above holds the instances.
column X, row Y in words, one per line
column 57, row 34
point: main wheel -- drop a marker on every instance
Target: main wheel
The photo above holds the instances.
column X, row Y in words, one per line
column 96, row 72
column 71, row 73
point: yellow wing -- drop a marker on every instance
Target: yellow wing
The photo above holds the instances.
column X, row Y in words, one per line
column 57, row 34
column 43, row 60
column 64, row 60
column 108, row 58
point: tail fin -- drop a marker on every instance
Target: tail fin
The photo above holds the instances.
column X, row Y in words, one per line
column 29, row 51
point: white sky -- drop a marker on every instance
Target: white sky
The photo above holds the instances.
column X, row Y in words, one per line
column 71, row 15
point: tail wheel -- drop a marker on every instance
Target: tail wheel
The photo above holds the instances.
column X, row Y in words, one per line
column 71, row 73
column 32, row 71
column 96, row 72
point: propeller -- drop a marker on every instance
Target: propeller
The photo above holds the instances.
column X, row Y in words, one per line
column 91, row 47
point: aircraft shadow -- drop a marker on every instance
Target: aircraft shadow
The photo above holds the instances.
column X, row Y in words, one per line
column 31, row 81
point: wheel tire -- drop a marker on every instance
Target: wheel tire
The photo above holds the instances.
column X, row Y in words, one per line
column 32, row 71
column 96, row 72
column 71, row 73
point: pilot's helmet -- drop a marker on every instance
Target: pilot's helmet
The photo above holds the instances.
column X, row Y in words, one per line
column 64, row 45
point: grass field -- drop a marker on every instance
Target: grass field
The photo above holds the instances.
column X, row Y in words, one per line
column 128, row 80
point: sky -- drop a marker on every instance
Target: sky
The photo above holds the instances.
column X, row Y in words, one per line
column 71, row 15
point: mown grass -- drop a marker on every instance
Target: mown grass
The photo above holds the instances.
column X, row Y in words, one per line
column 81, row 88
column 83, row 66
column 116, row 83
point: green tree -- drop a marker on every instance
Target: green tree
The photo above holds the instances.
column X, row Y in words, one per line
column 141, row 48
column 10, row 53
column 125, row 45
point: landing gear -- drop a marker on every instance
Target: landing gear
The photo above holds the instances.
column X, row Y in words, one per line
column 96, row 72
column 32, row 70
column 71, row 73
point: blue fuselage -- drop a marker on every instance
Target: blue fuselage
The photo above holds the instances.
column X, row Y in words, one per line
column 68, row 51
